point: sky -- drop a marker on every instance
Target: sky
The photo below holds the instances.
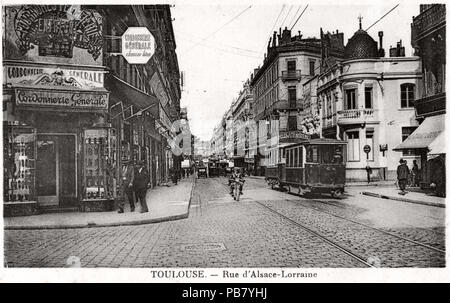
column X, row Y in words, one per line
column 220, row 43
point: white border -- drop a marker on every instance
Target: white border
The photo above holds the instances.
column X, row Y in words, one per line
column 145, row 274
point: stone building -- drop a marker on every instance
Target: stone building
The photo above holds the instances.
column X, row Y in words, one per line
column 428, row 140
column 75, row 110
column 277, row 88
column 244, row 130
column 367, row 99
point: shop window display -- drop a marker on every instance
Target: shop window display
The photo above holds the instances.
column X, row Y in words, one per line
column 99, row 164
column 19, row 163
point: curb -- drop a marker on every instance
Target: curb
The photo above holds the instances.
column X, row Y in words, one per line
column 112, row 224
column 368, row 185
column 366, row 193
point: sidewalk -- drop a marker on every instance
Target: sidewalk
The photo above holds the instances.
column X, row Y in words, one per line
column 418, row 197
column 165, row 203
column 374, row 183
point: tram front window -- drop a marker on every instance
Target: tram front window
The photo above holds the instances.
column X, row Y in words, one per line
column 325, row 154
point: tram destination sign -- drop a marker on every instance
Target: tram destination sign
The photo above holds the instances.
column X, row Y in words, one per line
column 64, row 100
column 292, row 136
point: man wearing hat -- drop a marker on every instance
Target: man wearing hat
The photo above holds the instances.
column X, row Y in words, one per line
column 141, row 184
column 402, row 176
column 127, row 186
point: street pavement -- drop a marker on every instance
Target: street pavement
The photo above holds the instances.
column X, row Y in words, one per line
column 267, row 228
column 164, row 203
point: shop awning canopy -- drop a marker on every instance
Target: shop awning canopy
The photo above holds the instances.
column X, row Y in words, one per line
column 132, row 96
column 429, row 135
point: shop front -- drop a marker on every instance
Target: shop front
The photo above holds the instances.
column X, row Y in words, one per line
column 59, row 154
column 428, row 140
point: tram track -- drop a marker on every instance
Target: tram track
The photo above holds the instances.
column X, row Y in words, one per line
column 360, row 251
column 374, row 228
column 365, row 225
column 316, row 234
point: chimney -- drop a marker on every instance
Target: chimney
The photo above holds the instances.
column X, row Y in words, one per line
column 274, row 39
column 381, row 52
column 286, row 36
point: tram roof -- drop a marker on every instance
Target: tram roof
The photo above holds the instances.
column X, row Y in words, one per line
column 317, row 141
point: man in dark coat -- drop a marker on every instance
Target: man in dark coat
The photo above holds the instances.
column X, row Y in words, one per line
column 141, row 184
column 127, row 186
column 402, row 176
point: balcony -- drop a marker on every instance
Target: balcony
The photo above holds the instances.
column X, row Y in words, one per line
column 287, row 105
column 428, row 21
column 356, row 116
column 430, row 105
column 291, row 75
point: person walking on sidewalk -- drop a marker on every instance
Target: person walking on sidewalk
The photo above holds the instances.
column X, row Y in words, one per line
column 402, row 176
column 140, row 185
column 126, row 191
column 415, row 174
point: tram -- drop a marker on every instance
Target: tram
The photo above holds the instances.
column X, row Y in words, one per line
column 312, row 166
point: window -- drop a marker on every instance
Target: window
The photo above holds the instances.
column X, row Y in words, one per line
column 292, row 96
column 295, row 157
column 350, row 99
column 370, row 142
column 312, row 154
column 291, row 66
column 368, row 97
column 312, row 67
column 406, row 132
column 407, row 95
column 292, row 122
column 353, row 146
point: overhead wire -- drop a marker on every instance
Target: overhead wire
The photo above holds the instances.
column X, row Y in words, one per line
column 382, row 17
column 276, row 20
column 293, row 18
column 282, row 23
column 299, row 16
column 221, row 27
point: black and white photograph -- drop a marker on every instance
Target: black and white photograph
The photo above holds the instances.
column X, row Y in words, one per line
column 245, row 135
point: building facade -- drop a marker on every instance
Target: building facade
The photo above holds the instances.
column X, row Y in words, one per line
column 75, row 110
column 244, row 130
column 368, row 100
column 277, row 88
column 428, row 37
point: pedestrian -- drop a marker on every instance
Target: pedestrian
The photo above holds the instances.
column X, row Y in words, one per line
column 126, row 191
column 369, row 172
column 140, row 185
column 415, row 173
column 402, row 176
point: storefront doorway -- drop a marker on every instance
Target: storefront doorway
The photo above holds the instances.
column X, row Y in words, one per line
column 56, row 170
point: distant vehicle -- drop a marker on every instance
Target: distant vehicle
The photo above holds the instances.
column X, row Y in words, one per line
column 314, row 166
column 201, row 172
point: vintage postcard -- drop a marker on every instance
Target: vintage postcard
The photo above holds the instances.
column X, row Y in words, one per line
column 224, row 141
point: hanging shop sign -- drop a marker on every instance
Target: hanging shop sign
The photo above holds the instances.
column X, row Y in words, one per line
column 57, row 29
column 43, row 75
column 62, row 100
column 138, row 45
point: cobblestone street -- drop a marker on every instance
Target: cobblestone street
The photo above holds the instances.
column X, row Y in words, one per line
column 267, row 228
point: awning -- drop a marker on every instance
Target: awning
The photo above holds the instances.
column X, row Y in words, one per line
column 131, row 96
column 438, row 145
column 429, row 135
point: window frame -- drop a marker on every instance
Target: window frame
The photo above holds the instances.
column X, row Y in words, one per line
column 355, row 98
column 407, row 89
column 351, row 153
column 367, row 89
